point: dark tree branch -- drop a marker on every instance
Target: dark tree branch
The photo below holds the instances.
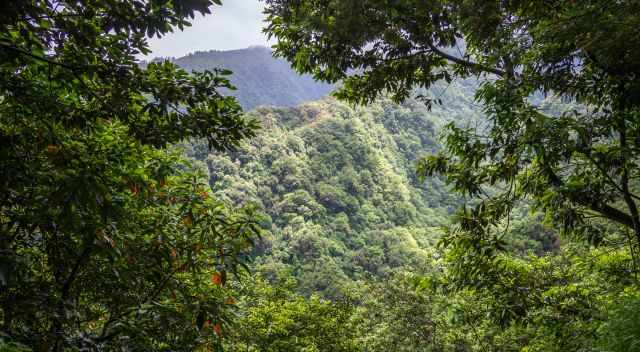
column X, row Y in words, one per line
column 66, row 287
column 104, row 336
column 466, row 63
column 57, row 329
column 631, row 205
column 606, row 210
column 608, row 177
column 609, row 212
column 37, row 57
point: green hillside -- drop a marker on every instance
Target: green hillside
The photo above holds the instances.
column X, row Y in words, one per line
column 339, row 188
column 351, row 257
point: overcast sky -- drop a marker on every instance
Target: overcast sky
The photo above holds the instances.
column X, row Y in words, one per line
column 236, row 24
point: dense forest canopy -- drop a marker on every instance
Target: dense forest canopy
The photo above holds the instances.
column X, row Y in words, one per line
column 573, row 163
column 473, row 187
column 110, row 239
column 577, row 162
column 337, row 184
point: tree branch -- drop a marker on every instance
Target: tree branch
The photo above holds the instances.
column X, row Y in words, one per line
column 466, row 63
column 37, row 57
column 631, row 205
column 606, row 210
column 104, row 336
column 74, row 272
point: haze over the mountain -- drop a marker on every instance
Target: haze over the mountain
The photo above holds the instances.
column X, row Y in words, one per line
column 260, row 78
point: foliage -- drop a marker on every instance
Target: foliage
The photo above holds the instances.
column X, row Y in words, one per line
column 338, row 186
column 112, row 241
column 274, row 318
column 558, row 302
column 622, row 332
column 557, row 84
column 562, row 301
column 109, row 239
column 394, row 316
column 575, row 162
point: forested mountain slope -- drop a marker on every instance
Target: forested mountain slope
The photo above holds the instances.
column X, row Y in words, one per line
column 339, row 189
column 338, row 183
column 260, row 78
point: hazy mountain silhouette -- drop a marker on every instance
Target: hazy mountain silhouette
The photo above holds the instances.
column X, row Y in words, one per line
column 260, row 78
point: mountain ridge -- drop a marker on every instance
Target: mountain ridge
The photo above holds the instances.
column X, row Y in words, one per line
column 260, row 78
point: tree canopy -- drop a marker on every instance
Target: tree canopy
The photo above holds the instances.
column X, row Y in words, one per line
column 109, row 239
column 577, row 159
column 112, row 237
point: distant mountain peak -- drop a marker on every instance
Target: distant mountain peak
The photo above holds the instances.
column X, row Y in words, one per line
column 243, row 51
column 260, row 78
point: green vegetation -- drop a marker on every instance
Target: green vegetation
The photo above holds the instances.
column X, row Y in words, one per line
column 109, row 238
column 393, row 288
column 134, row 196
column 575, row 162
column 277, row 319
column 572, row 162
column 338, row 188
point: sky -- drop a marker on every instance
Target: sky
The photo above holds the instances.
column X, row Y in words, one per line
column 236, row 24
